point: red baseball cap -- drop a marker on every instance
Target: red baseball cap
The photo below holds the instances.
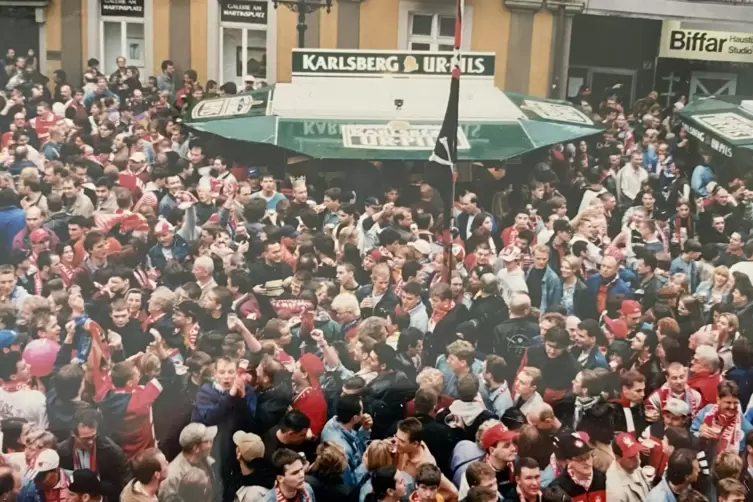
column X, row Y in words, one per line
column 630, row 307
column 625, row 445
column 617, row 327
column 39, row 235
column 495, row 434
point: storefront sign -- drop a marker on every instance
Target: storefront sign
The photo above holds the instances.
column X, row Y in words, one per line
column 556, row 111
column 364, row 63
column 243, row 11
column 705, row 45
column 122, row 8
column 729, row 126
column 398, row 136
column 230, row 107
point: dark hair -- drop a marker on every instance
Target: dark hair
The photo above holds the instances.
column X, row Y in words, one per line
column 382, row 480
column 525, row 463
column 558, row 336
column 348, row 406
column 67, row 381
column 680, row 466
column 9, row 364
column 295, row 421
column 413, row 428
column 410, row 269
column 497, row 367
column 425, row 401
column 591, row 327
column 166, row 63
column 12, row 429
column 481, row 494
column 428, row 475
column 409, row 338
column 386, row 355
column 282, row 458
column 467, row 388
column 88, row 417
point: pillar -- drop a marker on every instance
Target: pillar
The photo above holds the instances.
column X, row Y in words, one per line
column 564, row 11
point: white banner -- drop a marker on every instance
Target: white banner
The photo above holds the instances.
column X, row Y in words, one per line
column 705, row 45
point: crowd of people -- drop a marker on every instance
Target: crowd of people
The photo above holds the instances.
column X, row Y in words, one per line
column 179, row 325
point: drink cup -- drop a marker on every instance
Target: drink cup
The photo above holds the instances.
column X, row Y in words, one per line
column 650, row 472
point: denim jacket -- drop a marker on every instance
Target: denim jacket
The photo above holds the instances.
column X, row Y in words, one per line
column 354, row 443
column 551, row 290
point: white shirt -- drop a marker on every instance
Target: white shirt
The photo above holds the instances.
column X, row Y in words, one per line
column 511, row 281
column 29, row 404
column 630, row 180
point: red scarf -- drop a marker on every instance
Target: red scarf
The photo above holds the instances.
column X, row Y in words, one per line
column 732, row 431
column 147, row 323
column 92, row 459
column 440, row 311
column 66, row 273
column 692, row 399
column 38, row 285
column 301, row 495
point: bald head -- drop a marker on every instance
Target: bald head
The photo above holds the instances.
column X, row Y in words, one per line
column 520, row 304
column 33, row 218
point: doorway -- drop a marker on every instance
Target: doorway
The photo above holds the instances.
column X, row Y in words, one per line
column 601, row 80
column 19, row 31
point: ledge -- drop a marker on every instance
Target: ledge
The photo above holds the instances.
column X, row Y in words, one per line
column 524, row 5
column 572, row 7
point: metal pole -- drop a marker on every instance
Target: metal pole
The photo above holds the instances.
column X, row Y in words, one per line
column 302, row 23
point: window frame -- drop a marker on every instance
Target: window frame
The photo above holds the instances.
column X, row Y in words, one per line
column 123, row 22
column 225, row 25
column 405, row 24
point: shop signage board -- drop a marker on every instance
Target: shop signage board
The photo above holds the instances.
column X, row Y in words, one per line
column 555, row 111
column 244, row 11
column 728, row 126
column 705, row 45
column 322, row 62
column 122, row 8
column 233, row 106
column 396, row 136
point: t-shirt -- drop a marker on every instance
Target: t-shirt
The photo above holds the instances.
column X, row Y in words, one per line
column 29, row 404
column 272, row 201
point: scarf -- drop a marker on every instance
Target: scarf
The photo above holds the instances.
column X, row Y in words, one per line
column 692, row 399
column 732, row 432
column 66, row 274
column 92, row 459
column 38, row 284
column 582, row 405
column 440, row 311
column 150, row 320
column 585, row 484
column 301, row 495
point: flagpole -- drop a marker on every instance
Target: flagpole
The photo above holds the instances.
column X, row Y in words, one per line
column 450, row 127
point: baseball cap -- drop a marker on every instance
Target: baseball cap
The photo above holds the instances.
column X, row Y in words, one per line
column 572, row 444
column 421, row 246
column 86, row 481
column 253, row 172
column 617, row 327
column 510, row 254
column 288, row 231
column 630, row 307
column 195, row 432
column 677, row 407
column 138, row 157
column 375, row 255
column 371, row 201
column 495, row 434
column 625, row 445
column 163, row 227
column 561, row 225
column 39, row 235
column 250, row 445
column 7, row 337
column 47, row 460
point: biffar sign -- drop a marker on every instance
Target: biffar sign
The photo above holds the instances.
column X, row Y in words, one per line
column 705, row 45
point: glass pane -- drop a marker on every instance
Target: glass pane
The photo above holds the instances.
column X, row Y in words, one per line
column 135, row 46
column 420, row 47
column 444, row 47
column 446, row 26
column 256, row 55
column 112, row 40
column 421, row 24
column 232, row 54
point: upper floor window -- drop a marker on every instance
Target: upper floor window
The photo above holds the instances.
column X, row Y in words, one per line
column 431, row 32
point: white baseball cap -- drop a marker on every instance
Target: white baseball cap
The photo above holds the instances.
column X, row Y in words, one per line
column 47, row 460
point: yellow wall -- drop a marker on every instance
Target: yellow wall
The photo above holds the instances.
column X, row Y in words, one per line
column 541, row 53
column 328, row 28
column 198, row 38
column 161, row 30
column 378, row 28
column 490, row 33
column 287, row 39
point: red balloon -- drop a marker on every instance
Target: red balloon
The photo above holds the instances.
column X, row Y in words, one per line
column 40, row 356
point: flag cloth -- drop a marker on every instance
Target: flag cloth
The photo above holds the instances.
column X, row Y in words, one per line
column 445, row 154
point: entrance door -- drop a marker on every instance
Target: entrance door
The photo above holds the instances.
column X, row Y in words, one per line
column 603, row 79
column 243, row 54
column 19, row 31
column 707, row 83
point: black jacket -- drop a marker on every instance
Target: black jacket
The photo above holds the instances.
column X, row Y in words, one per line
column 385, row 400
column 444, row 333
column 597, row 490
column 488, row 312
column 386, row 304
column 510, row 340
column 584, row 302
column 272, row 403
column 112, row 464
column 329, row 488
column 58, row 223
column 556, row 374
column 60, row 412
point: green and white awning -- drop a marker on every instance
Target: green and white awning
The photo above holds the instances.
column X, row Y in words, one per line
column 724, row 124
column 389, row 117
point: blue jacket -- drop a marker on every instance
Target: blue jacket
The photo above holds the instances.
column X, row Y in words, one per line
column 695, row 427
column 12, row 221
column 595, row 358
column 212, row 407
column 661, row 493
column 689, row 269
column 616, row 287
column 179, row 249
column 354, row 444
column 551, row 289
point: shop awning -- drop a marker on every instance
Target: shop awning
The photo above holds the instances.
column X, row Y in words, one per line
column 389, row 119
column 723, row 123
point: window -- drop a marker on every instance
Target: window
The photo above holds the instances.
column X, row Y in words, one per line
column 122, row 38
column 431, row 32
column 243, row 53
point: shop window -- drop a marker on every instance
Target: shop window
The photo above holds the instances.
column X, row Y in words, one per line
column 431, row 32
column 243, row 54
column 123, row 38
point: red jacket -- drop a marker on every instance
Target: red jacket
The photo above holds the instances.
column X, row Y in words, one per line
column 705, row 383
column 311, row 403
